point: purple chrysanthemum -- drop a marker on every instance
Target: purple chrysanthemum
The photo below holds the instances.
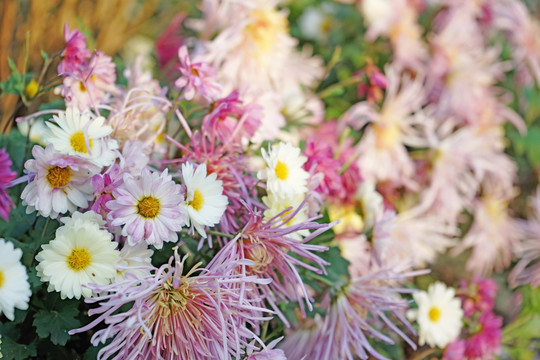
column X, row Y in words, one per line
column 200, row 315
column 196, row 78
column 148, row 208
column 6, row 175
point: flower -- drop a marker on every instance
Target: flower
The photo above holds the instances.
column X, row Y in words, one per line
column 148, row 208
column 199, row 313
column 135, row 260
column 79, row 134
column 75, row 53
column 14, row 287
column 196, row 78
column 267, row 353
column 285, row 208
column 284, row 174
column 204, row 201
column 439, row 315
column 60, row 182
column 81, row 253
column 6, row 175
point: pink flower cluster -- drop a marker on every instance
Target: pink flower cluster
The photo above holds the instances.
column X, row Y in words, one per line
column 481, row 335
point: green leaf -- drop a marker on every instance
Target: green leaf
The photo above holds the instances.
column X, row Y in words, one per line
column 44, row 55
column 57, row 323
column 13, row 351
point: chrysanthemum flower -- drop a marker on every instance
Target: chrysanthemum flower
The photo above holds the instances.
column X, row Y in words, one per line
column 197, row 78
column 267, row 353
column 135, row 260
column 78, row 134
column 439, row 315
column 14, row 288
column 284, row 174
column 355, row 315
column 285, row 207
column 148, row 208
column 75, row 53
column 61, row 183
column 191, row 315
column 205, row 201
column 81, row 253
column 6, row 175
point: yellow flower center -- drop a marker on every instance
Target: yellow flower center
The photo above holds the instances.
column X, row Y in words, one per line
column 266, row 27
column 1, row 279
column 58, row 177
column 198, row 200
column 31, row 89
column 82, row 88
column 282, row 171
column 79, row 259
column 434, row 314
column 286, row 216
column 194, row 71
column 148, row 207
column 78, row 142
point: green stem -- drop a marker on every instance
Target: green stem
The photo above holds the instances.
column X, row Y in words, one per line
column 218, row 233
column 346, row 82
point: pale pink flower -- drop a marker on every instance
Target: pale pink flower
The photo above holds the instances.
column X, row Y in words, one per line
column 492, row 236
column 198, row 314
column 527, row 270
column 382, row 152
column 6, row 175
column 268, row 352
column 148, row 208
column 59, row 183
column 197, row 78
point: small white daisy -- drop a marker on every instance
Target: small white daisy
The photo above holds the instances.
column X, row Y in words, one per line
column 78, row 134
column 81, row 253
column 134, row 259
column 14, row 288
column 284, row 174
column 439, row 315
column 205, row 201
column 277, row 205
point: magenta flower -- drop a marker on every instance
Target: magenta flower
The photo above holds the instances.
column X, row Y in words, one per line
column 201, row 314
column 6, row 175
column 148, row 208
column 167, row 45
column 478, row 295
column 75, row 54
column 231, row 120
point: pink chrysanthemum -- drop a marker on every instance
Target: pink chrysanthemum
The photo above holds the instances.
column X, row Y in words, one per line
column 270, row 246
column 477, row 295
column 148, row 208
column 356, row 314
column 196, row 78
column 75, row 54
column 201, row 314
column 231, row 120
column 60, row 183
column 6, row 175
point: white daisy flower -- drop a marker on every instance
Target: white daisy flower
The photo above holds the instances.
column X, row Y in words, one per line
column 134, row 259
column 277, row 205
column 370, row 202
column 284, row 174
column 205, row 201
column 439, row 315
column 78, row 134
column 81, row 253
column 14, row 288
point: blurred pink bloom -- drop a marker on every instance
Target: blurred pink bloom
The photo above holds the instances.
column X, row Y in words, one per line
column 196, row 314
column 477, row 295
column 383, row 155
column 167, row 46
column 268, row 352
column 6, row 175
column 196, row 78
column 376, row 83
column 231, row 121
column 527, row 270
column 75, row 54
column 492, row 236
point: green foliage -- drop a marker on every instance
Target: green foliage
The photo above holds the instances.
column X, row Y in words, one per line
column 15, row 83
column 56, row 324
column 13, row 351
column 521, row 338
